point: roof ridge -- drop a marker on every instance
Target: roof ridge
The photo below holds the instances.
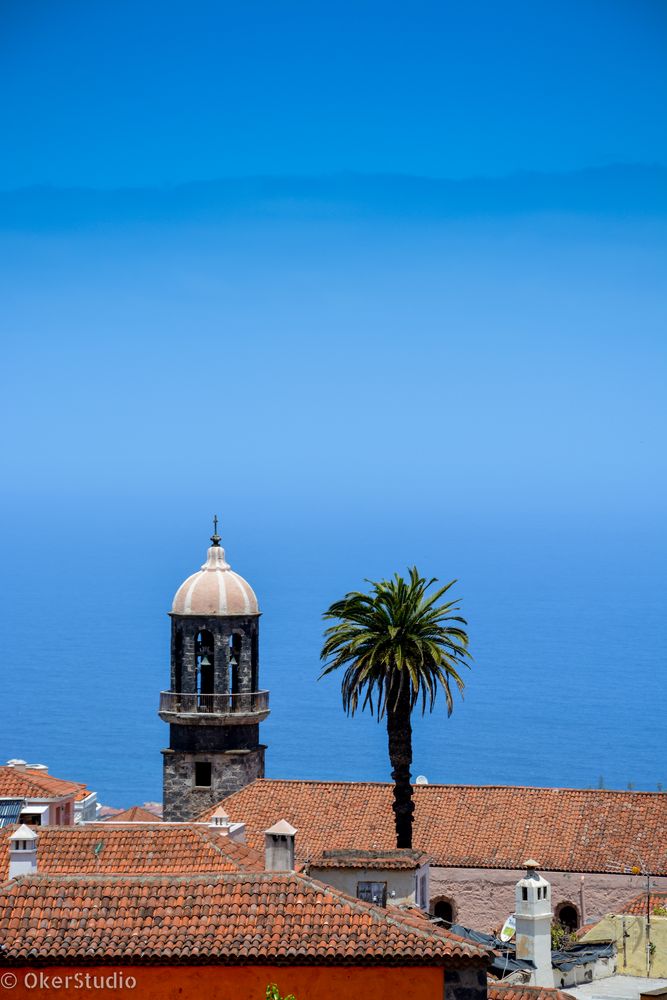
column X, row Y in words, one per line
column 434, row 784
column 213, row 840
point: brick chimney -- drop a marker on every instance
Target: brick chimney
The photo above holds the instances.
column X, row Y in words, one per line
column 279, row 847
column 23, row 852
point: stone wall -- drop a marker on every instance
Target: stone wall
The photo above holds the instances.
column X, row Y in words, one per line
column 482, row 898
column 467, row 983
column 231, row 770
column 211, row 739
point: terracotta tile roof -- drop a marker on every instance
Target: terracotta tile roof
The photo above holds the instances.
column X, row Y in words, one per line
column 29, row 784
column 266, row 918
column 399, row 860
column 520, row 992
column 135, row 814
column 150, row 849
column 637, row 906
column 467, row 825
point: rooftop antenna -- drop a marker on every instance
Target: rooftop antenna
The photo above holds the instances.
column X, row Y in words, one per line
column 215, row 537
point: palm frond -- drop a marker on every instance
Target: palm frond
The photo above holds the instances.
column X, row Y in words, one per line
column 399, row 634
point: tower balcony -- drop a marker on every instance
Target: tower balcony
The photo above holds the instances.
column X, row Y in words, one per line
column 239, row 709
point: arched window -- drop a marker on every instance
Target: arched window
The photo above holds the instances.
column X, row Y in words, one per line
column 204, row 652
column 178, row 661
column 568, row 915
column 254, row 657
column 444, row 910
column 235, row 641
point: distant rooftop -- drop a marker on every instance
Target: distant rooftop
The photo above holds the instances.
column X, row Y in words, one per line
column 397, row 859
column 134, row 849
column 467, row 826
column 617, row 988
column 37, row 784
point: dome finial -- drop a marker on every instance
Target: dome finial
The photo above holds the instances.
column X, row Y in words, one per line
column 215, row 537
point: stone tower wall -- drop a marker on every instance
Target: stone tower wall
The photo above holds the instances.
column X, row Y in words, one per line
column 231, row 747
column 231, row 771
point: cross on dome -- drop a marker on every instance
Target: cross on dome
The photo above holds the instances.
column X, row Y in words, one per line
column 215, row 589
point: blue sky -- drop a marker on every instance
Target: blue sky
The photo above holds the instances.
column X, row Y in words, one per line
column 504, row 333
column 126, row 92
column 356, row 365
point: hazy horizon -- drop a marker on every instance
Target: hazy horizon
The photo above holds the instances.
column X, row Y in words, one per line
column 416, row 314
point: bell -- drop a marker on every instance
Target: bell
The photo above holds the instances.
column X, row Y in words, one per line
column 205, row 662
column 233, row 662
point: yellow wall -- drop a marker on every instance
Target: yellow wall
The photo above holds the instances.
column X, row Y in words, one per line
column 632, row 960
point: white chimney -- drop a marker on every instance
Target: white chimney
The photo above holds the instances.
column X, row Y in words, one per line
column 17, row 764
column 221, row 823
column 533, row 924
column 279, row 847
column 23, row 852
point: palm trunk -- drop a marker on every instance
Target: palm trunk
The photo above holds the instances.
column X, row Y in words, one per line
column 399, row 732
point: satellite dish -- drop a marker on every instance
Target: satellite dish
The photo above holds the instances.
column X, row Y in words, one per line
column 421, row 779
column 509, row 928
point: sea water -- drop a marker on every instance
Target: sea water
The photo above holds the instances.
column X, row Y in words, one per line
column 567, row 628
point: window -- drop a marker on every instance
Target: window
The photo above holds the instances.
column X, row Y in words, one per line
column 524, row 892
column 372, row 892
column 203, row 774
column 235, row 645
column 422, row 900
column 444, row 910
column 568, row 916
column 205, row 670
column 30, row 819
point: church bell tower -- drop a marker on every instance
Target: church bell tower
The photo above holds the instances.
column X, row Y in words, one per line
column 214, row 706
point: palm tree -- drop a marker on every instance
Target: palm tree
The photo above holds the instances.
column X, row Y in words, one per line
column 399, row 646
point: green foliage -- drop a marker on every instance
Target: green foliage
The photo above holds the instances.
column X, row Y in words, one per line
column 398, row 646
column 396, row 640
column 660, row 911
column 273, row 993
column 561, row 936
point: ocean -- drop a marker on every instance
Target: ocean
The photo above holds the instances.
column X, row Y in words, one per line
column 567, row 628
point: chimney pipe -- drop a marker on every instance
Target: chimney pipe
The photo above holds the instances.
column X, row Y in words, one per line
column 23, row 852
column 279, row 847
column 533, row 924
column 221, row 823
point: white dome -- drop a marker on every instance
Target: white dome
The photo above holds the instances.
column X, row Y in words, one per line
column 215, row 589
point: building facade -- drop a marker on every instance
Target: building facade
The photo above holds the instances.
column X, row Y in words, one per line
column 224, row 935
column 591, row 843
column 214, row 705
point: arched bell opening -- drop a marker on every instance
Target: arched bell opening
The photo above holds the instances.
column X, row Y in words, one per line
column 235, row 647
column 205, row 666
column 177, row 660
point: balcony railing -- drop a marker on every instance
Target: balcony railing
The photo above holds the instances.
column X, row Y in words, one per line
column 245, row 703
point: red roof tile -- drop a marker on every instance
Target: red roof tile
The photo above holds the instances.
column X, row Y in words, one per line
column 150, row 849
column 237, row 918
column 399, row 860
column 466, row 825
column 520, row 992
column 637, row 906
column 135, row 814
column 27, row 784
